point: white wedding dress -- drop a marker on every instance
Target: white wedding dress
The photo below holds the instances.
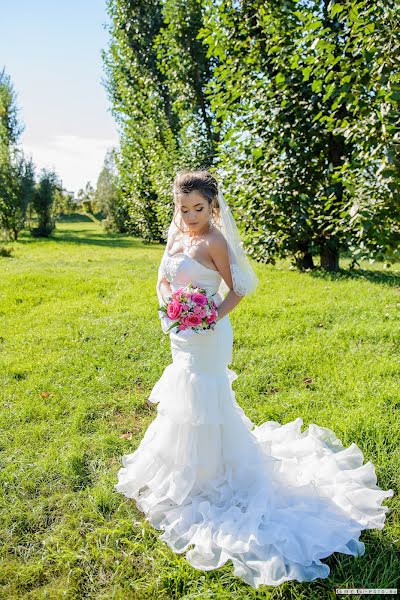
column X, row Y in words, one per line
column 273, row 499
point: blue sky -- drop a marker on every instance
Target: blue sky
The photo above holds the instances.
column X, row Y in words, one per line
column 51, row 50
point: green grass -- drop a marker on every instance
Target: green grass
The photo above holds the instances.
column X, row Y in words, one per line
column 81, row 347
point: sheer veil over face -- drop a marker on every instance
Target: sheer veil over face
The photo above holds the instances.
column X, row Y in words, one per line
column 244, row 279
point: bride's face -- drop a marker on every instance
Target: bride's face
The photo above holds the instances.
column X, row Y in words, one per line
column 194, row 210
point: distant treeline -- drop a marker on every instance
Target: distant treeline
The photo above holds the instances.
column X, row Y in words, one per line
column 35, row 201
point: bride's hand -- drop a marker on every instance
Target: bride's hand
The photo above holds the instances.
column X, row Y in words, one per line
column 165, row 323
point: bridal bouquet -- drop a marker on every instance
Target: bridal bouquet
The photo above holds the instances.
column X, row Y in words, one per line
column 190, row 309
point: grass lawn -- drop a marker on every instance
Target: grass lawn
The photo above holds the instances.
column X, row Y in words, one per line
column 81, row 348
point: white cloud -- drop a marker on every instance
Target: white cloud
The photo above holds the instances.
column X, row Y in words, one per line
column 75, row 159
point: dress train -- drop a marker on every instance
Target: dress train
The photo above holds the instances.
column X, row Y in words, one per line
column 273, row 499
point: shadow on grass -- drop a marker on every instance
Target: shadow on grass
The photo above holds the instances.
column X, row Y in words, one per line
column 74, row 218
column 85, row 236
column 120, row 240
column 382, row 277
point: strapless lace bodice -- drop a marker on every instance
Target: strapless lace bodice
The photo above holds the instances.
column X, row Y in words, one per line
column 180, row 269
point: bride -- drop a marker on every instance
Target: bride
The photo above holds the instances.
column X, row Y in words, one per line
column 273, row 499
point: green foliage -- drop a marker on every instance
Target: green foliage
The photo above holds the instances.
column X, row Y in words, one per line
column 64, row 202
column 16, row 171
column 107, row 197
column 16, row 191
column 86, row 197
column 155, row 79
column 4, row 251
column 43, row 203
column 296, row 105
column 10, row 126
column 306, row 96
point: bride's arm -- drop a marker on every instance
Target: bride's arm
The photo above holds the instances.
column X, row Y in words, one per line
column 228, row 303
column 163, row 289
column 219, row 253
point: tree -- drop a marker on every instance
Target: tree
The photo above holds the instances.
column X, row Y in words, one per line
column 156, row 75
column 10, row 126
column 308, row 97
column 17, row 180
column 86, row 197
column 64, row 202
column 104, row 198
column 295, row 104
column 43, row 202
column 16, row 172
column 107, row 199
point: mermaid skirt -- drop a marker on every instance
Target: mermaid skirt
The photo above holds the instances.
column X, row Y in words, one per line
column 273, row 499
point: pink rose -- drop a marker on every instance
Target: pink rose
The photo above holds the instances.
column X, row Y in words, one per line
column 212, row 316
column 199, row 299
column 193, row 320
column 184, row 323
column 174, row 309
column 184, row 320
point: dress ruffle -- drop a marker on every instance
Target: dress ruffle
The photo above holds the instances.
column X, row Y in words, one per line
column 272, row 499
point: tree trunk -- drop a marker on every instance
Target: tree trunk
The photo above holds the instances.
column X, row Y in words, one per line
column 304, row 259
column 329, row 256
column 305, row 262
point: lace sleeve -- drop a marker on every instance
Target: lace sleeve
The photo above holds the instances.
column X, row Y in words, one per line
column 239, row 283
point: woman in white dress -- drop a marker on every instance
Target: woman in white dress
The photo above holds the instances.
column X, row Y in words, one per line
column 272, row 499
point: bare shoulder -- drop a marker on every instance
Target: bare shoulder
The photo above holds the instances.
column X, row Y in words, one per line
column 216, row 242
column 218, row 250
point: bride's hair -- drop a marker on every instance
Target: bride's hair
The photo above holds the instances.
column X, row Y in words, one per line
column 200, row 181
